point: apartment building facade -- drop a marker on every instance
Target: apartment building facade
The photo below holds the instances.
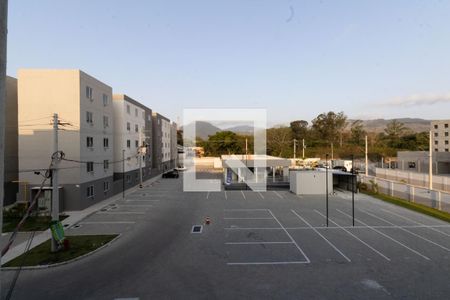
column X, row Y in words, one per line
column 173, row 145
column 11, row 163
column 441, row 138
column 85, row 110
column 132, row 141
column 161, row 153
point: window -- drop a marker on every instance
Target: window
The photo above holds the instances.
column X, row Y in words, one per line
column 136, row 143
column 90, row 166
column 105, row 186
column 446, row 149
column 436, row 142
column 89, row 118
column 446, row 134
column 435, row 126
column 89, row 93
column 128, row 109
column 90, row 191
column 446, row 142
column 89, row 142
column 105, row 122
column 135, row 112
column 143, row 114
column 136, row 128
column 446, row 125
column 436, row 149
column 105, row 100
column 128, row 178
column 105, row 142
column 149, row 117
column 412, row 165
column 106, row 164
column 128, row 143
column 436, row 134
column 128, row 126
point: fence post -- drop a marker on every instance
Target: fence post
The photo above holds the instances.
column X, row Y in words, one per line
column 412, row 193
column 439, row 200
column 392, row 188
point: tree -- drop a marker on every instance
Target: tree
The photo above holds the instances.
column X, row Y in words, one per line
column 299, row 129
column 329, row 127
column 357, row 132
column 279, row 141
column 223, row 142
column 394, row 130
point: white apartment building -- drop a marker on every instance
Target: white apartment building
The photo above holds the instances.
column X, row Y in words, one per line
column 440, row 131
column 132, row 133
column 84, row 105
column 161, row 150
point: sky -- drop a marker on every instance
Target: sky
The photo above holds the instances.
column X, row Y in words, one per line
column 297, row 59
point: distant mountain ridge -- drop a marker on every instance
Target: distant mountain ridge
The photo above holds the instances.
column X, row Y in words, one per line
column 205, row 129
column 378, row 125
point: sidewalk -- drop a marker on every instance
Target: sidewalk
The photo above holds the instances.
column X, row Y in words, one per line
column 74, row 218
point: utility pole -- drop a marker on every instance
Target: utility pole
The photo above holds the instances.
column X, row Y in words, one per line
column 123, row 172
column 332, row 151
column 246, row 148
column 295, row 148
column 367, row 158
column 430, row 162
column 140, row 159
column 303, row 148
column 326, row 183
column 55, row 183
column 353, row 190
column 3, row 39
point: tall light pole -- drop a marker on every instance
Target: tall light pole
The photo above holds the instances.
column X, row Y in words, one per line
column 295, row 148
column 430, row 162
column 3, row 39
column 303, row 148
column 326, row 187
column 367, row 158
column 123, row 176
column 140, row 159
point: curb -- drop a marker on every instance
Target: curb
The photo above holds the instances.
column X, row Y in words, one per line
column 63, row 262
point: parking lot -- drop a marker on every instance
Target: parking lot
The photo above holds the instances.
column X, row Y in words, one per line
column 258, row 245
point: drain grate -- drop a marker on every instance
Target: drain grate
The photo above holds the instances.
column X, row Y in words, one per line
column 197, row 229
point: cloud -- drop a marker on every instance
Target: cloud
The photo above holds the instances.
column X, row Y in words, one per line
column 418, row 100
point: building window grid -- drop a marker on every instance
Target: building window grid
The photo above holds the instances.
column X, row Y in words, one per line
column 105, row 100
column 105, row 142
column 90, row 167
column 90, row 191
column 105, row 186
column 89, row 118
column 89, row 93
column 89, row 142
column 105, row 122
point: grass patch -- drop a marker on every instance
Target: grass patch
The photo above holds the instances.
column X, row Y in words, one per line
column 411, row 205
column 33, row 223
column 79, row 245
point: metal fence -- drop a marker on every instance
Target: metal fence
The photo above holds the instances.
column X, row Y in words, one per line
column 433, row 198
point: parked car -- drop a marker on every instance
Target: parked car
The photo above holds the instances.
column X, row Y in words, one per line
column 171, row 174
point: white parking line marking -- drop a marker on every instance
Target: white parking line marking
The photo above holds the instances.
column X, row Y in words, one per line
column 268, row 263
column 357, row 238
column 248, row 218
column 387, row 236
column 279, row 196
column 243, row 195
column 411, row 220
column 261, row 195
column 256, row 243
column 406, row 230
column 323, row 237
column 226, row 195
column 120, row 212
column 207, row 195
column 141, row 200
column 135, row 205
column 108, row 222
column 289, row 235
column 245, row 209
